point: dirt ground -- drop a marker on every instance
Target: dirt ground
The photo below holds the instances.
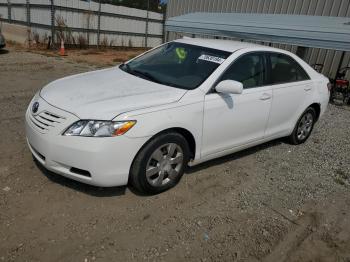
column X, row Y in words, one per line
column 95, row 57
column 274, row 202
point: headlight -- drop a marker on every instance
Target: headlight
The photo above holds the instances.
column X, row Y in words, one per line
column 99, row 128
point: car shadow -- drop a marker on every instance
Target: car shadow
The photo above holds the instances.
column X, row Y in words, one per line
column 234, row 156
column 121, row 190
column 4, row 51
column 81, row 187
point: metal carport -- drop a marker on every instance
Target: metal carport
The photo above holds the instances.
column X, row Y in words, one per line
column 308, row 31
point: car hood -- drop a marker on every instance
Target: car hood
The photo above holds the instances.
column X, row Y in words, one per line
column 104, row 94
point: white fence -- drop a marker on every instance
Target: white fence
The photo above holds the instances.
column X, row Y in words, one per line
column 99, row 25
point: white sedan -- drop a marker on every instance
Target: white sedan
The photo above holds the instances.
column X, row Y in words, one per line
column 182, row 103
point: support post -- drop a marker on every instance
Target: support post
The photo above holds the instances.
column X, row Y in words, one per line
column 164, row 19
column 147, row 17
column 99, row 25
column 9, row 11
column 28, row 12
column 88, row 17
column 28, row 22
column 53, row 23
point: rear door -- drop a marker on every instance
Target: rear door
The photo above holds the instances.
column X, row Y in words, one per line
column 291, row 87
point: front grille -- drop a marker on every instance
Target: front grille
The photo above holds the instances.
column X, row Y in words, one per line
column 45, row 121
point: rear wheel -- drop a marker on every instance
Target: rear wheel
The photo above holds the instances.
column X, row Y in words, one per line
column 304, row 127
column 160, row 165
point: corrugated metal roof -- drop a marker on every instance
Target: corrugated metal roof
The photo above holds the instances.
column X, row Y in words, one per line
column 312, row 31
column 220, row 44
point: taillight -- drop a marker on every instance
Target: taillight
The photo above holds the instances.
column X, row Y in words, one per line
column 329, row 86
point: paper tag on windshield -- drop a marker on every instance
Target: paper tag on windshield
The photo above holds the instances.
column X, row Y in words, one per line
column 213, row 59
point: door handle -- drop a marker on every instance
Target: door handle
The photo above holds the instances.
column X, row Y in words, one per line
column 307, row 88
column 265, row 96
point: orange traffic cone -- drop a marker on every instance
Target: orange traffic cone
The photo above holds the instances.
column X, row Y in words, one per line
column 62, row 51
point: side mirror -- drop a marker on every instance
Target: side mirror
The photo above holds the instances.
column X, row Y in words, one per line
column 229, row 87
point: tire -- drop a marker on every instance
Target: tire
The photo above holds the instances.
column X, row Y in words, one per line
column 338, row 98
column 303, row 127
column 160, row 164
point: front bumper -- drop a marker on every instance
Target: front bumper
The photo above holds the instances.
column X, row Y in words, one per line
column 99, row 161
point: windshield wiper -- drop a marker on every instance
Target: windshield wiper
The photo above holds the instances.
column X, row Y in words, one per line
column 147, row 76
column 142, row 74
column 126, row 66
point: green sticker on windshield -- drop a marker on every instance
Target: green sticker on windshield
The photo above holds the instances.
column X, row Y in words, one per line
column 181, row 53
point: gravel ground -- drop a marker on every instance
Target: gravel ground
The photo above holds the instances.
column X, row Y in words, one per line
column 274, row 202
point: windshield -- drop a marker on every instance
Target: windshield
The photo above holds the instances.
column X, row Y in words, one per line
column 177, row 64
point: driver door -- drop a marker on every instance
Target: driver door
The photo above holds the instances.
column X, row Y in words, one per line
column 233, row 120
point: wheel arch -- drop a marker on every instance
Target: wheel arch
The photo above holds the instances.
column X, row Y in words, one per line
column 183, row 131
column 317, row 108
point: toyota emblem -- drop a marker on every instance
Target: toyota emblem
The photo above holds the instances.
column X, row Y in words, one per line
column 35, row 107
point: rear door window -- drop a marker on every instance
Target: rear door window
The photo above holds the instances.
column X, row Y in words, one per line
column 285, row 69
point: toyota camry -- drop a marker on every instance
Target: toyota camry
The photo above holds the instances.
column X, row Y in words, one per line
column 182, row 103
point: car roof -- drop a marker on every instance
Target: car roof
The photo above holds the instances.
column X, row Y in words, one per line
column 224, row 45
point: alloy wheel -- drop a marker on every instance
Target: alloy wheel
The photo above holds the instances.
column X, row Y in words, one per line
column 164, row 165
column 305, row 126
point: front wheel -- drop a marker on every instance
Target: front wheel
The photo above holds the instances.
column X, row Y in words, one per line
column 304, row 127
column 160, row 164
